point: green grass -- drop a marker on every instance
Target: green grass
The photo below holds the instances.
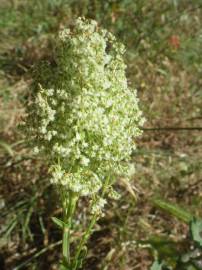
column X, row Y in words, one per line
column 168, row 80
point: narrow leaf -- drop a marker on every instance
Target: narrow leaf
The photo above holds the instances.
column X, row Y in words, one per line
column 196, row 230
column 174, row 210
column 59, row 222
column 6, row 147
column 156, row 266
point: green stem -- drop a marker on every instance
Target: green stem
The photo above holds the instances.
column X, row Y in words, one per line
column 89, row 229
column 65, row 246
column 84, row 240
column 68, row 209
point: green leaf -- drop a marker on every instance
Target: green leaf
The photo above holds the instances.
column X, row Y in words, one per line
column 196, row 230
column 190, row 256
column 156, row 266
column 164, row 246
column 59, row 222
column 7, row 147
column 174, row 210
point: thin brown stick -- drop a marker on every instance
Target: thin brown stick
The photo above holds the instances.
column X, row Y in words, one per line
column 172, row 129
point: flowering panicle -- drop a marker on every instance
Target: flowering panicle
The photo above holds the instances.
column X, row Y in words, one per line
column 86, row 121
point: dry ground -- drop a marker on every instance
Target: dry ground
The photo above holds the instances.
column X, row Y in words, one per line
column 164, row 44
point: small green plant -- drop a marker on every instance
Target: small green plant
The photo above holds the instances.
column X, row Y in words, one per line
column 185, row 254
column 83, row 121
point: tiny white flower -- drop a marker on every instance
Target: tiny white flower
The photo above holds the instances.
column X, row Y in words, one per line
column 50, row 92
column 36, row 150
column 85, row 161
column 43, row 130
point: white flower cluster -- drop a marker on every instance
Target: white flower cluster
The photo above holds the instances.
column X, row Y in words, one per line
column 83, row 182
column 98, row 206
column 87, row 120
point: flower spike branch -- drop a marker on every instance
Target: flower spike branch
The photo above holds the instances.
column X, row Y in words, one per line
column 83, row 120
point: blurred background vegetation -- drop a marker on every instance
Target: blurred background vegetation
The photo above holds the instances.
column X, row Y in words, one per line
column 164, row 57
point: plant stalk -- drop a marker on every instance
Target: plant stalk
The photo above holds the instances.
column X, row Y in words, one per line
column 87, row 233
column 68, row 210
